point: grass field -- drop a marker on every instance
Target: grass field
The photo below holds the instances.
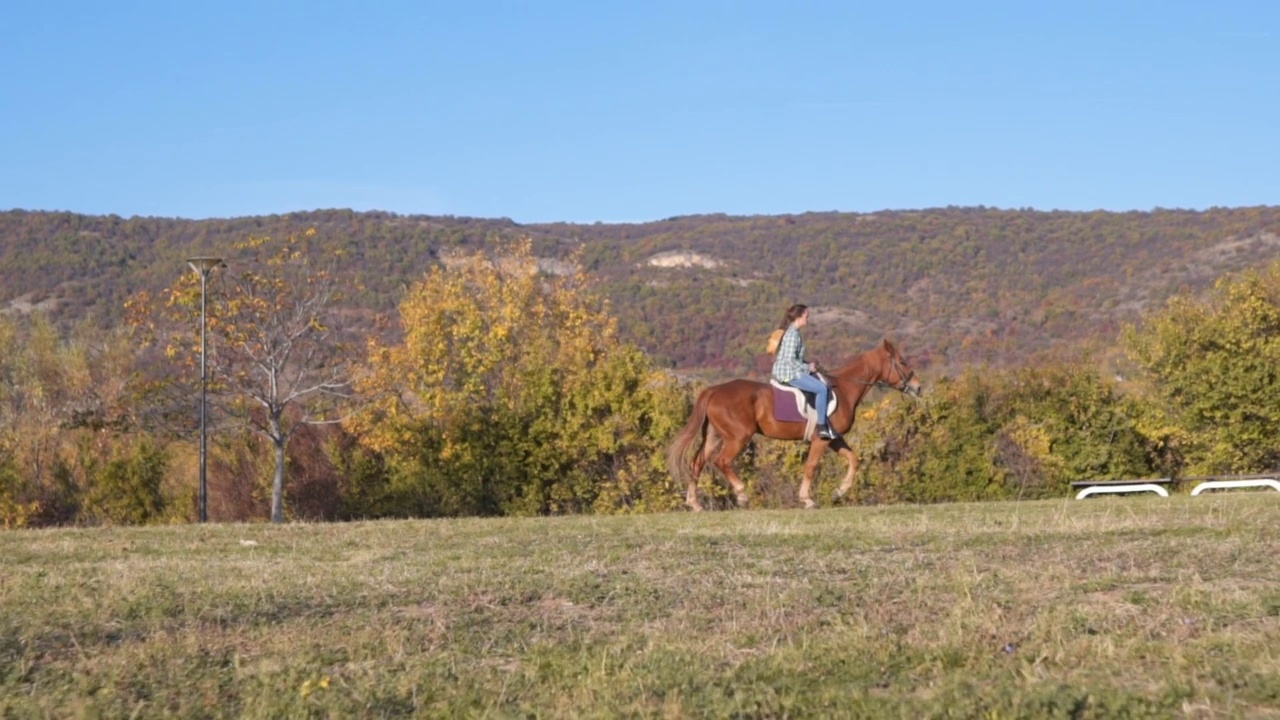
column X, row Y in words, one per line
column 1115, row 607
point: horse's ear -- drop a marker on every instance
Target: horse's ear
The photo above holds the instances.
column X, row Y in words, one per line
column 888, row 346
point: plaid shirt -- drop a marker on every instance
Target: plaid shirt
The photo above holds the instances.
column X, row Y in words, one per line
column 790, row 361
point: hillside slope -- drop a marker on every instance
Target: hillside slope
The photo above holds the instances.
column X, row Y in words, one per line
column 954, row 286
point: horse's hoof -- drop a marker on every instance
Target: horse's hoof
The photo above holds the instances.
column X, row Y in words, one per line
column 742, row 501
column 809, row 504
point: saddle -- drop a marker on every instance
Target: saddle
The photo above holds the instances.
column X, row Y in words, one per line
column 791, row 404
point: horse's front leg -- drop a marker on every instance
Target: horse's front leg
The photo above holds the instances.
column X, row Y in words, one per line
column 816, row 448
column 847, row 483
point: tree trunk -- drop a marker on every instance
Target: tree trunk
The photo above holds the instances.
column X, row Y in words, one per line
column 277, row 487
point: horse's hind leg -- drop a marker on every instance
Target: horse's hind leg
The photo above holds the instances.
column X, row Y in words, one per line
column 710, row 445
column 691, row 497
column 724, row 462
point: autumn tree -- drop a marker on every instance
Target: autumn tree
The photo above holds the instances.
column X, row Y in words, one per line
column 1212, row 366
column 511, row 393
column 70, row 446
column 276, row 359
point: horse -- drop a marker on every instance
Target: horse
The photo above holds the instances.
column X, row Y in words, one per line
column 726, row 417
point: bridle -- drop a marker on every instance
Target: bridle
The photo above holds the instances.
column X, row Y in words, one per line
column 906, row 376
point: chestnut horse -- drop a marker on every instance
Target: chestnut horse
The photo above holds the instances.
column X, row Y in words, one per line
column 726, row 417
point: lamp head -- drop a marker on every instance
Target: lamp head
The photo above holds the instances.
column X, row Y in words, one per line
column 204, row 265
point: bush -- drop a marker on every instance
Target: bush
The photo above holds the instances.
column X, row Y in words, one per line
column 127, row 491
column 1003, row 434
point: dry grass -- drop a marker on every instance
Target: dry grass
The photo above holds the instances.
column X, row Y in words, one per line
column 1118, row 607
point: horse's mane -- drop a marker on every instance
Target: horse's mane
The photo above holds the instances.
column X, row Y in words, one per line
column 844, row 370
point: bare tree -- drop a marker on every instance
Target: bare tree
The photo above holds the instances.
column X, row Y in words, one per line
column 276, row 357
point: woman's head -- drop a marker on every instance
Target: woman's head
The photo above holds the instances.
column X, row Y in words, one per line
column 795, row 313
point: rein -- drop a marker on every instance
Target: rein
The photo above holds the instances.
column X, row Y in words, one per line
column 906, row 375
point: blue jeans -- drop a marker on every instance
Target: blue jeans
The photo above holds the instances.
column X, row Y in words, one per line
column 809, row 383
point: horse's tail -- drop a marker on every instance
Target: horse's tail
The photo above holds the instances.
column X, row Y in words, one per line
column 678, row 460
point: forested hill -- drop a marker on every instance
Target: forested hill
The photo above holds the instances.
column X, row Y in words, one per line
column 953, row 286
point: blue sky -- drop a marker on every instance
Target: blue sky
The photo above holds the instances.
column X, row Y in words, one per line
column 585, row 111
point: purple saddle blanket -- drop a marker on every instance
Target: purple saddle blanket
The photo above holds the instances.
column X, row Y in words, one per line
column 784, row 405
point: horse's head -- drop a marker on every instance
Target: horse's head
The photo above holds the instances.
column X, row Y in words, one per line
column 896, row 373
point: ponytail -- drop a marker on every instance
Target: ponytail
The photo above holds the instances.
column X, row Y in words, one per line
column 775, row 337
column 793, row 313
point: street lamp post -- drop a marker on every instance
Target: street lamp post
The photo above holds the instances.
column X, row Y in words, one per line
column 203, row 266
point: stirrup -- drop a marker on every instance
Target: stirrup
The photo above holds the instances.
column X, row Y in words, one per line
column 826, row 433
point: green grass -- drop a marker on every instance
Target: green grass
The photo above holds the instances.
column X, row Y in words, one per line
column 1115, row 607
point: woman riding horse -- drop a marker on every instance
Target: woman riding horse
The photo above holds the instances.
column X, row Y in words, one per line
column 726, row 417
column 792, row 366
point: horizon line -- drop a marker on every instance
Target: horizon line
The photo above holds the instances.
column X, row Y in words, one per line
column 670, row 218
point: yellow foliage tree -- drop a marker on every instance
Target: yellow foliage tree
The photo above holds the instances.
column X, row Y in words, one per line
column 1211, row 365
column 511, row 393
